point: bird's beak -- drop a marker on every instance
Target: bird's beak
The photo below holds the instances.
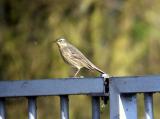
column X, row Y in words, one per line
column 52, row 41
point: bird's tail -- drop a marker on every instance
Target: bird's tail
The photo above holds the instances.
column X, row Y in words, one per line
column 99, row 70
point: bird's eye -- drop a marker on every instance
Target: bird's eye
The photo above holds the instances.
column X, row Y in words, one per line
column 61, row 40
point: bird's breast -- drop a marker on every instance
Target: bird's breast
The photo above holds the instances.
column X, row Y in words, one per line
column 70, row 59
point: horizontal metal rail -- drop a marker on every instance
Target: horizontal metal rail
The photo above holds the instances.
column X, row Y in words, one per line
column 45, row 87
column 136, row 84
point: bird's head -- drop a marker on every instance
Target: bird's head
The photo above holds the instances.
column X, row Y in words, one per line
column 61, row 42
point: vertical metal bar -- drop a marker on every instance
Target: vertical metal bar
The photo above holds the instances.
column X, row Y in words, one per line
column 127, row 106
column 114, row 100
column 122, row 106
column 95, row 107
column 2, row 109
column 32, row 114
column 148, row 102
column 64, row 103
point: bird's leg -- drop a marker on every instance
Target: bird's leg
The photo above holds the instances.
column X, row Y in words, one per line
column 77, row 72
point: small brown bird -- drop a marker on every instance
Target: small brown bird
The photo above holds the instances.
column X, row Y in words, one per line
column 74, row 57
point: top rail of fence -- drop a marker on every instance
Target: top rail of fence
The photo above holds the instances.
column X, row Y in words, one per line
column 47, row 87
column 136, row 84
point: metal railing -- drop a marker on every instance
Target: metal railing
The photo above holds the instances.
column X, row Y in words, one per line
column 122, row 94
column 31, row 89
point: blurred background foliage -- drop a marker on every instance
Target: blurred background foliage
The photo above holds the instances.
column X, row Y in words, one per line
column 120, row 36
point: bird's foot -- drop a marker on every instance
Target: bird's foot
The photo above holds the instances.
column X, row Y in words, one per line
column 78, row 77
column 81, row 77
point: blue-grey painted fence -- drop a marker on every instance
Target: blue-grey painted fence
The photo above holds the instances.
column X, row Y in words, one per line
column 47, row 87
column 32, row 110
column 70, row 86
column 122, row 94
column 2, row 109
column 64, row 104
column 95, row 107
column 136, row 84
column 148, row 102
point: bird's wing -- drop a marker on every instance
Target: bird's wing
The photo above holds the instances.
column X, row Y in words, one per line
column 75, row 53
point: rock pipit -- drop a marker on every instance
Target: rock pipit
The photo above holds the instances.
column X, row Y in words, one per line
column 71, row 55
